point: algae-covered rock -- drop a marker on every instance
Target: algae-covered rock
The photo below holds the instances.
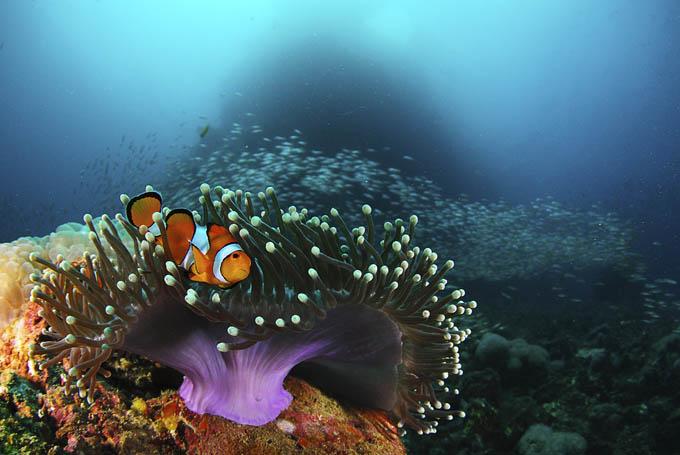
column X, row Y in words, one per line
column 542, row 440
column 22, row 431
column 493, row 350
column 513, row 356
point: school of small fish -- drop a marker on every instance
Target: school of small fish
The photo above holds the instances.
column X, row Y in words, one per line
column 492, row 241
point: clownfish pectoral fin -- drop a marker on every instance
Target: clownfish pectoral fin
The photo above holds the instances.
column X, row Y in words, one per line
column 140, row 209
column 180, row 228
column 200, row 277
column 202, row 264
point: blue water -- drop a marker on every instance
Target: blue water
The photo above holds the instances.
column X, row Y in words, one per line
column 574, row 99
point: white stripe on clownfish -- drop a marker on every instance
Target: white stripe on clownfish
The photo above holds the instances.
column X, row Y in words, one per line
column 221, row 255
column 199, row 240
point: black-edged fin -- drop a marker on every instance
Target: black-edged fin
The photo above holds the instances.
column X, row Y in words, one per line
column 141, row 208
column 180, row 227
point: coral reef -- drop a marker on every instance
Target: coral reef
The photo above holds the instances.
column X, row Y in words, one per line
column 134, row 414
column 542, row 440
column 617, row 391
column 358, row 311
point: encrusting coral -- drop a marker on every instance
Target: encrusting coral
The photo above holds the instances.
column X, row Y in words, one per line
column 14, row 276
column 357, row 314
column 68, row 242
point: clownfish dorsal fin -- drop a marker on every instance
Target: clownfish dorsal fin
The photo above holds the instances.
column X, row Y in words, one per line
column 201, row 261
column 180, row 228
column 140, row 209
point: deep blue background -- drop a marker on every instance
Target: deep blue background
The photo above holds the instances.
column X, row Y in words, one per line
column 517, row 99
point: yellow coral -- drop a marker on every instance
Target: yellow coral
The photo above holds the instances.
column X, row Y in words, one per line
column 70, row 240
column 139, row 405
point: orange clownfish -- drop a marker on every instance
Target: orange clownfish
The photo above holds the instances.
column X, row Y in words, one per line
column 209, row 254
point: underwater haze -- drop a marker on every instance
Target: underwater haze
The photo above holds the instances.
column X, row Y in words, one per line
column 538, row 140
column 566, row 98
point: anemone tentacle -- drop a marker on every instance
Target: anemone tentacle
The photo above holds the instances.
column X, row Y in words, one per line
column 303, row 268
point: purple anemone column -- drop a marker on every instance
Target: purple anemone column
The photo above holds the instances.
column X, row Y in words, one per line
column 354, row 351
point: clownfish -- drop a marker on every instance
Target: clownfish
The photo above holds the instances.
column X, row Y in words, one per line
column 209, row 254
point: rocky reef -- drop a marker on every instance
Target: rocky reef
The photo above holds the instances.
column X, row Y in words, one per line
column 575, row 383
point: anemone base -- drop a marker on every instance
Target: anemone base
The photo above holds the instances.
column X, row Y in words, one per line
column 353, row 353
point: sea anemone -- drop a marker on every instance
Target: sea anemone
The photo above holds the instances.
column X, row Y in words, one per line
column 354, row 311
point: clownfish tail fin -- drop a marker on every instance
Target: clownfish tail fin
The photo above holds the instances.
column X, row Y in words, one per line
column 140, row 209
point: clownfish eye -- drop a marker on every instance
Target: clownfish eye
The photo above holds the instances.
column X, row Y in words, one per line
column 235, row 255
